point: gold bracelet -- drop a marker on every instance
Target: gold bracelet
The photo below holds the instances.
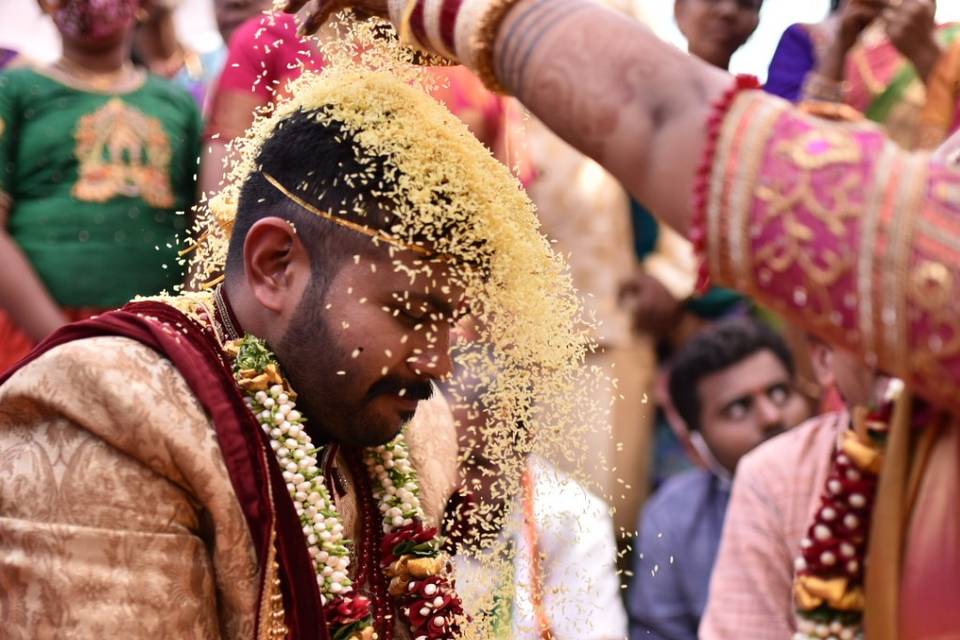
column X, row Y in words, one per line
column 831, row 111
column 423, row 55
column 485, row 39
column 823, row 89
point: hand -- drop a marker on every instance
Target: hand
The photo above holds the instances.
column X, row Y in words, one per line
column 855, row 17
column 653, row 307
column 911, row 26
column 313, row 13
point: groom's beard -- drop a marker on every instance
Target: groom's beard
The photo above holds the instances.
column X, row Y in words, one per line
column 310, row 357
column 338, row 407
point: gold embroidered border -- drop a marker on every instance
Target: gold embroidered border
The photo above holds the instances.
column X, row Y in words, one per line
column 272, row 625
column 868, row 238
column 900, row 249
column 272, row 613
column 739, row 156
column 746, row 183
column 729, row 135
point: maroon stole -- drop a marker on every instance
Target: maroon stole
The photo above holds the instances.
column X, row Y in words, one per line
column 254, row 475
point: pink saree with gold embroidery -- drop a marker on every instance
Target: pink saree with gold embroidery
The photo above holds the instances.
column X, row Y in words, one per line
column 857, row 241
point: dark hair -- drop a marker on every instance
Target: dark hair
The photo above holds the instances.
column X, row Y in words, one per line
column 718, row 347
column 835, row 5
column 318, row 162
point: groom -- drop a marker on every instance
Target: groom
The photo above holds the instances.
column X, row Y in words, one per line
column 227, row 463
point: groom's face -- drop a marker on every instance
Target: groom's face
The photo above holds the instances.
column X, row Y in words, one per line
column 365, row 351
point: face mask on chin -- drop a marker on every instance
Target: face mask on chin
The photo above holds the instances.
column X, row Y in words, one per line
column 93, row 20
column 713, row 465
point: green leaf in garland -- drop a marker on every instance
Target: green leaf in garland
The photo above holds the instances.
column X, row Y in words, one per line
column 421, row 550
column 253, row 354
column 348, row 630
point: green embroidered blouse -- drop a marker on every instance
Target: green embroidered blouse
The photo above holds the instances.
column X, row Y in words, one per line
column 100, row 183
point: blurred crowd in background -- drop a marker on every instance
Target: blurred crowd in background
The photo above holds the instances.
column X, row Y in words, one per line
column 106, row 106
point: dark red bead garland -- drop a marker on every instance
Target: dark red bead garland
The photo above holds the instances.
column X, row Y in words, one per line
column 371, row 536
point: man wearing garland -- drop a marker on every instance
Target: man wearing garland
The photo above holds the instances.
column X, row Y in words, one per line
column 230, row 463
column 831, row 224
column 768, row 530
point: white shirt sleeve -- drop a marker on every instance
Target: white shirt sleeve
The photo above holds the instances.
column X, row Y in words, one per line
column 581, row 589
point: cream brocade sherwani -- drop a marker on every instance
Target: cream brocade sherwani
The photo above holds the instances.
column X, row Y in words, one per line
column 117, row 515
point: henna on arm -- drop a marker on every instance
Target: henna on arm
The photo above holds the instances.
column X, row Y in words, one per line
column 603, row 82
column 611, row 88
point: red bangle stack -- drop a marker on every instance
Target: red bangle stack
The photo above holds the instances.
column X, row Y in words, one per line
column 701, row 190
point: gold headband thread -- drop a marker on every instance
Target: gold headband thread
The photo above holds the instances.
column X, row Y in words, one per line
column 353, row 226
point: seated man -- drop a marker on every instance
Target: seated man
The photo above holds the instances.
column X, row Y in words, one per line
column 768, row 192
column 732, row 386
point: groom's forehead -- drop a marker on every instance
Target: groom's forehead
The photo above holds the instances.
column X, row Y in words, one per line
column 407, row 278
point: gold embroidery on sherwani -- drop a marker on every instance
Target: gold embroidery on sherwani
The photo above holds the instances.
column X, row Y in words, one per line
column 115, row 490
column 122, row 152
column 118, row 514
column 272, row 613
column 432, row 441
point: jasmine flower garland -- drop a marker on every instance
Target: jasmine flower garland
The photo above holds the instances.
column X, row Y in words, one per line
column 410, row 554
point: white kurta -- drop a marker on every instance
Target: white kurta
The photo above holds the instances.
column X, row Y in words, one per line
column 581, row 590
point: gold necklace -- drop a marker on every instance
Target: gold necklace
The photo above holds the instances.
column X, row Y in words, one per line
column 116, row 80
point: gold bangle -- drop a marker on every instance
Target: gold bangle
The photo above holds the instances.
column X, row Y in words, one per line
column 823, row 89
column 484, row 41
column 423, row 55
column 833, row 111
column 404, row 29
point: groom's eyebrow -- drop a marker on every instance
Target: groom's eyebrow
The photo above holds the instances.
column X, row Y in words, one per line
column 438, row 303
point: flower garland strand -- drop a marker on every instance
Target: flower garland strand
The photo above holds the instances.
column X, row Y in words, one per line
column 829, row 588
column 410, row 554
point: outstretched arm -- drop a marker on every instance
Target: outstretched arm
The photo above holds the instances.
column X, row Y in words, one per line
column 832, row 225
column 602, row 81
column 610, row 87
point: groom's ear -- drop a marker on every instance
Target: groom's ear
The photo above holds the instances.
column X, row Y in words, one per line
column 276, row 265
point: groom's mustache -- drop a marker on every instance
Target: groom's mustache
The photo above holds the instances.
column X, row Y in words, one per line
column 392, row 385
